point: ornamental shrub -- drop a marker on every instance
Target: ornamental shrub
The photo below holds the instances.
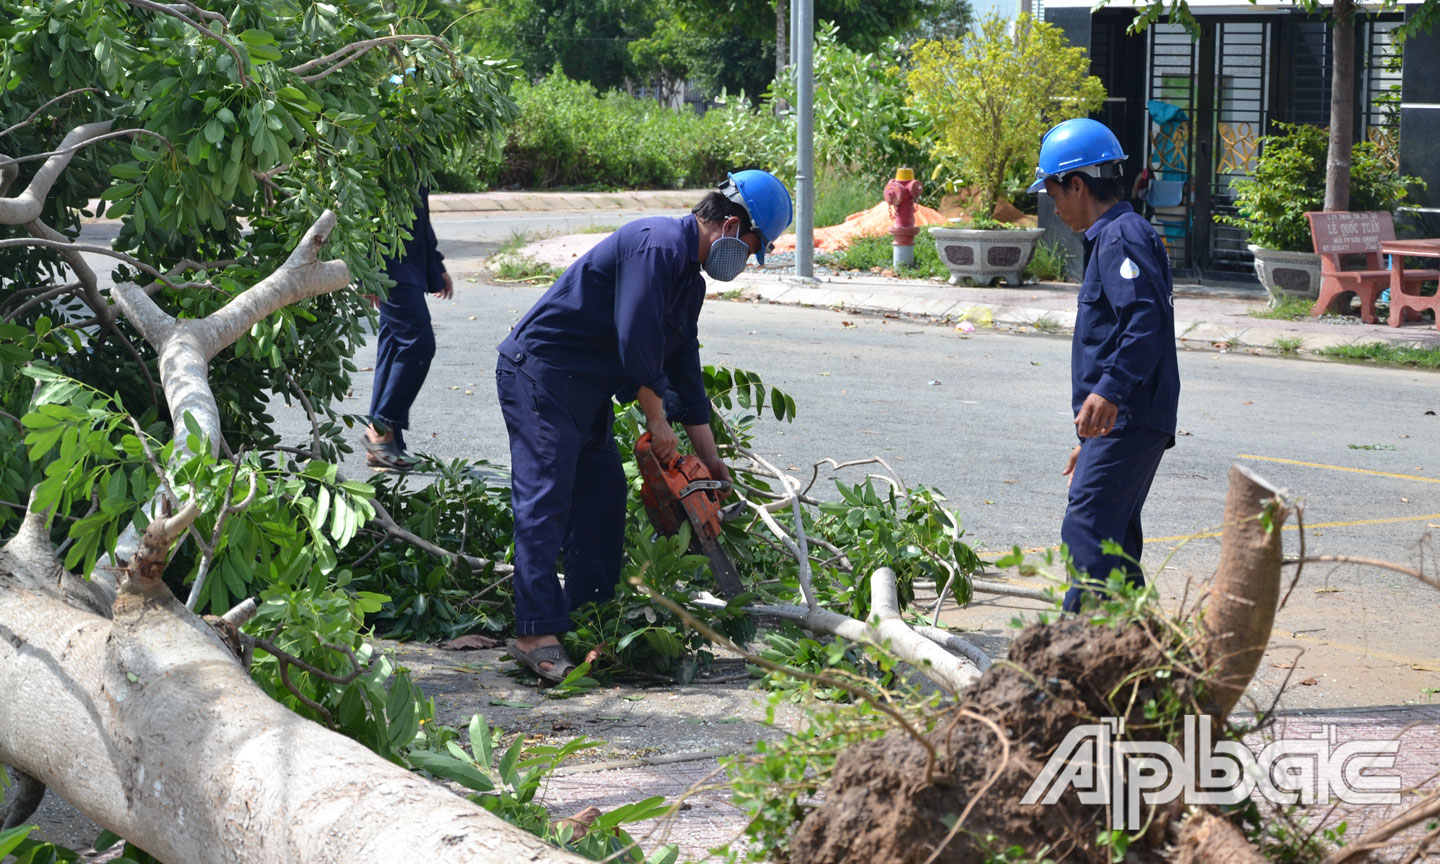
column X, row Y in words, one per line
column 1289, row 181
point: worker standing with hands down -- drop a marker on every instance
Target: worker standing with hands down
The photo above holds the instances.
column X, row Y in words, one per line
column 1124, row 375
column 620, row 322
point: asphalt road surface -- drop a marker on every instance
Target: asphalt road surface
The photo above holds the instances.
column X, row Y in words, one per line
column 985, row 419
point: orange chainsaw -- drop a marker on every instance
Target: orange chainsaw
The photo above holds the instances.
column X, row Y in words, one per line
column 685, row 492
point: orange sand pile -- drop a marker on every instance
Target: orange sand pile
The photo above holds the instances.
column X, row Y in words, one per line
column 874, row 222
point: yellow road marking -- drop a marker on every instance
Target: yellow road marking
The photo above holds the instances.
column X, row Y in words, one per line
column 1340, row 468
column 1355, row 649
column 1308, row 527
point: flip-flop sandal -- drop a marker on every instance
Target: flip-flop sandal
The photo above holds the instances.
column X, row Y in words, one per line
column 560, row 662
column 385, row 455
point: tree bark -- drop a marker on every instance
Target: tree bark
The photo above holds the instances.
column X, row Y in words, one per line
column 1342, row 107
column 782, row 38
column 178, row 749
column 1240, row 608
column 782, row 46
column 185, row 755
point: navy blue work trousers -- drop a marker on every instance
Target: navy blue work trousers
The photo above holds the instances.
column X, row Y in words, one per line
column 568, row 495
column 1107, row 491
column 403, row 352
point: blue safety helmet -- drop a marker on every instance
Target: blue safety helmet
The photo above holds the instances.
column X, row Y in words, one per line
column 1082, row 145
column 767, row 201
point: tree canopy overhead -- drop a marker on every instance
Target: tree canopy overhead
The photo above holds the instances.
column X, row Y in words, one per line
column 263, row 117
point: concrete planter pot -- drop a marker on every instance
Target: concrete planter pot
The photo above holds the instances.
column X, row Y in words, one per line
column 1287, row 274
column 981, row 256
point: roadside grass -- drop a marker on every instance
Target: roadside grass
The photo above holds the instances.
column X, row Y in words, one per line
column 1287, row 345
column 518, row 239
column 1290, row 309
column 874, row 254
column 515, row 268
column 838, row 194
column 1049, row 262
column 599, row 229
column 1387, row 354
column 1046, row 324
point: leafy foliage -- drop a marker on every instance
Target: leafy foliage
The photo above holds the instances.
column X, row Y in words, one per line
column 986, row 109
column 569, row 134
column 862, row 121
column 1289, row 181
column 505, row 781
column 240, row 126
column 777, row 784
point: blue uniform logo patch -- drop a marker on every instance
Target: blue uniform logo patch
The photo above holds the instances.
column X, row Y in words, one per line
column 1128, row 269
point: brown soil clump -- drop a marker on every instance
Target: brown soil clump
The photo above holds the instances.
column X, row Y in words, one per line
column 879, row 806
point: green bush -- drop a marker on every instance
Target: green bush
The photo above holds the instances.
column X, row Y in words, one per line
column 1289, row 182
column 570, row 135
column 861, row 119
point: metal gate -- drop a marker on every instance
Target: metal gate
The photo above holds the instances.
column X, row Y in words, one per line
column 1211, row 99
column 1203, row 135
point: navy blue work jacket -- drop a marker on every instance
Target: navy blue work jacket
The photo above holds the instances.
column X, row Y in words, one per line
column 622, row 317
column 1124, row 344
column 419, row 262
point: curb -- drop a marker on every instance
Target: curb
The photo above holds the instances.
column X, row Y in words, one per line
column 1194, row 327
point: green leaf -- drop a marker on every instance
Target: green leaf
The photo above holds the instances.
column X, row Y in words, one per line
column 507, row 762
column 449, row 768
column 480, row 740
column 13, row 838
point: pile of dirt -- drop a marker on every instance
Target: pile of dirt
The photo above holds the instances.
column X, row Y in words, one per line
column 874, row 222
column 879, row 806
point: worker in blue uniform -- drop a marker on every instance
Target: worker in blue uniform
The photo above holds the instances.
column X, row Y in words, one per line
column 621, row 322
column 405, row 343
column 1125, row 380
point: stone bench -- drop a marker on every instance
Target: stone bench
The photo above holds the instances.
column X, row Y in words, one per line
column 1341, row 235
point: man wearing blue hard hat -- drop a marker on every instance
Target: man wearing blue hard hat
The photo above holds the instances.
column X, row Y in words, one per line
column 621, row 322
column 1125, row 380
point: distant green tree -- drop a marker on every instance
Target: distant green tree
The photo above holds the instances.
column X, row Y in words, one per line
column 588, row 39
column 718, row 44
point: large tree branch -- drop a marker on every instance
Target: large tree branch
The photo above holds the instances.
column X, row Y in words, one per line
column 26, row 206
column 303, row 275
column 1246, row 590
column 356, row 49
column 73, row 148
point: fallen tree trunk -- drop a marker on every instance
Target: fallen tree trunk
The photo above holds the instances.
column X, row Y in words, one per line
column 1240, row 608
column 975, row 786
column 188, row 758
column 178, row 750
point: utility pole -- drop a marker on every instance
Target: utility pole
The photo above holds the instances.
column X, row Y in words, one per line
column 805, row 144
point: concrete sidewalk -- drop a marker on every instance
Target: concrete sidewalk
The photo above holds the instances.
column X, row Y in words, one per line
column 1204, row 316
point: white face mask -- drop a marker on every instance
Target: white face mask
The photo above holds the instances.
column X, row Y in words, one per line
column 727, row 257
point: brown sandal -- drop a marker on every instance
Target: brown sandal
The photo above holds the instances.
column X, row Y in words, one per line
column 560, row 663
column 385, row 455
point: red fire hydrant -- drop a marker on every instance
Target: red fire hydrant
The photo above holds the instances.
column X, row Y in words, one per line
column 901, row 194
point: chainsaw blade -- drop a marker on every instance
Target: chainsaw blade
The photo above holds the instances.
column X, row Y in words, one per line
column 727, row 579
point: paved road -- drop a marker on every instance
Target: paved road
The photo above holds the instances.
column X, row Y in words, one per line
column 984, row 418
